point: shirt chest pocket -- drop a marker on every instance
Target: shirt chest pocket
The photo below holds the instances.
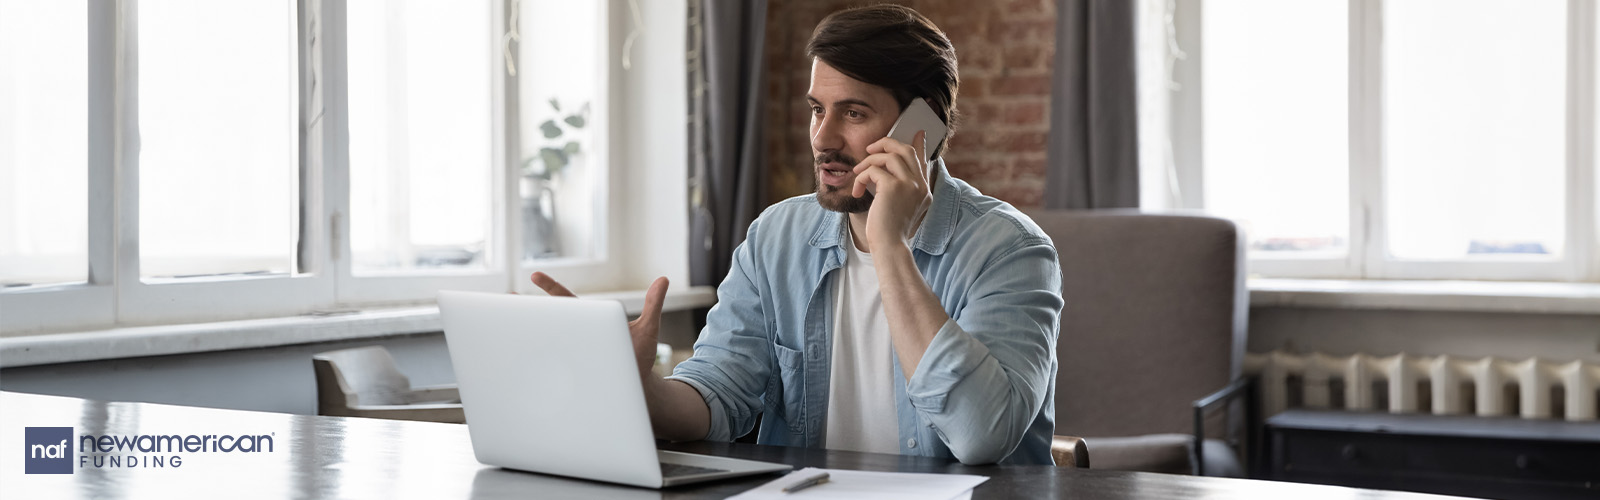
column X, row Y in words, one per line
column 786, row 387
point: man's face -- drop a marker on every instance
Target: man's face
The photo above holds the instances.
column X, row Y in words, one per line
column 847, row 115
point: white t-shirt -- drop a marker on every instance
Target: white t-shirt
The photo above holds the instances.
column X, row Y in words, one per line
column 861, row 406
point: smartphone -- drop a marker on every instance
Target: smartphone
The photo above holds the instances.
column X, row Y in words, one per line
column 920, row 116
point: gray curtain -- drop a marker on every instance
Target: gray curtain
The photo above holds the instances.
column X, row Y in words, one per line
column 1094, row 136
column 727, row 157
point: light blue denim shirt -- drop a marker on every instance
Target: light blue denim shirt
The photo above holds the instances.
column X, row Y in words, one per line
column 984, row 391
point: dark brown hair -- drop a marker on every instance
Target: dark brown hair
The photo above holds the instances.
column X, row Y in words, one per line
column 893, row 47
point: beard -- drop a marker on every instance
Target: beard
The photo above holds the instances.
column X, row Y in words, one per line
column 838, row 198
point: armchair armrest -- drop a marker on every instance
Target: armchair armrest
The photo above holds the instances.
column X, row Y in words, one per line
column 1069, row 451
column 434, row 394
column 1244, row 386
column 443, row 412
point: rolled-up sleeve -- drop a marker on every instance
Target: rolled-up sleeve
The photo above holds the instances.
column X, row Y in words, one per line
column 732, row 357
column 985, row 376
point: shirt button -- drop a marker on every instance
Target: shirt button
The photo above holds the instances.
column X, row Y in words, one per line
column 911, row 443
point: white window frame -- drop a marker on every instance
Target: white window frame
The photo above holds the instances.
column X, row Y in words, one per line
column 142, row 300
column 1367, row 257
column 91, row 303
column 407, row 286
column 639, row 241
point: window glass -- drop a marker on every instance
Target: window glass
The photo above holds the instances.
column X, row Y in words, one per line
column 43, row 142
column 1475, row 127
column 218, row 137
column 420, row 145
column 1275, row 129
column 559, row 86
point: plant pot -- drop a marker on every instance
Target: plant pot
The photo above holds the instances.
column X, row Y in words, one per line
column 540, row 240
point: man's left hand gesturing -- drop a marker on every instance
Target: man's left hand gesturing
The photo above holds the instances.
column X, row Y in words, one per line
column 897, row 174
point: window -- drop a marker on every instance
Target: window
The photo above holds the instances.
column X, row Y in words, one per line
column 420, row 135
column 1475, row 129
column 1266, row 68
column 1382, row 139
column 426, row 210
column 561, row 150
column 157, row 166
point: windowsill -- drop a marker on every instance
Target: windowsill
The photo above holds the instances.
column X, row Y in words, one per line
column 1474, row 296
column 132, row 342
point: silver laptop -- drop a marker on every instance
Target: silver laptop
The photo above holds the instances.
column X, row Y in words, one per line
column 550, row 385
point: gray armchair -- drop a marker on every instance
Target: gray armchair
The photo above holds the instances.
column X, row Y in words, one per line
column 1152, row 337
column 365, row 382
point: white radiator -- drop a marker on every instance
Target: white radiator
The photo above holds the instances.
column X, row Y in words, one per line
column 1442, row 385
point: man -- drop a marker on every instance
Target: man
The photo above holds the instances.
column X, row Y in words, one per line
column 897, row 310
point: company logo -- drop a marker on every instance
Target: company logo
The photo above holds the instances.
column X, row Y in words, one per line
column 49, row 450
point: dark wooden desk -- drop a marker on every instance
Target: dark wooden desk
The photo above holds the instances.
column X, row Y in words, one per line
column 339, row 457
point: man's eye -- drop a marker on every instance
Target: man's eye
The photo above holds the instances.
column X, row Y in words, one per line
column 853, row 114
column 816, row 110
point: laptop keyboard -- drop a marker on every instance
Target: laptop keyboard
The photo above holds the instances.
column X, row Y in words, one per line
column 675, row 470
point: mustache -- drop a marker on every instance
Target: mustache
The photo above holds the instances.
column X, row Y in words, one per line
column 835, row 156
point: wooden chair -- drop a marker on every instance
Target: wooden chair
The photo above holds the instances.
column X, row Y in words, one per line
column 364, row 382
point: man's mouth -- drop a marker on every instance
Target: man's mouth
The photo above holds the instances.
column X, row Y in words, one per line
column 833, row 174
column 834, row 168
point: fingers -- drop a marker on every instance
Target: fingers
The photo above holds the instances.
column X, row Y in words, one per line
column 653, row 300
column 920, row 155
column 889, row 161
column 915, row 153
column 889, row 145
column 878, row 171
column 550, row 286
column 867, row 178
column 903, row 160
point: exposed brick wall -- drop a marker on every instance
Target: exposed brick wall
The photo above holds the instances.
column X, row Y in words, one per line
column 1004, row 49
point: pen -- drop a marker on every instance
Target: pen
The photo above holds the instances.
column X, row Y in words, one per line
column 807, row 483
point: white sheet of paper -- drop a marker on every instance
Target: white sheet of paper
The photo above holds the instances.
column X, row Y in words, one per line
column 863, row 484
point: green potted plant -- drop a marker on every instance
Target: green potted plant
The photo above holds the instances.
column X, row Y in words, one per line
column 557, row 153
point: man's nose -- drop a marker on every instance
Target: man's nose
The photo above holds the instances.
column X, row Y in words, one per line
column 827, row 137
